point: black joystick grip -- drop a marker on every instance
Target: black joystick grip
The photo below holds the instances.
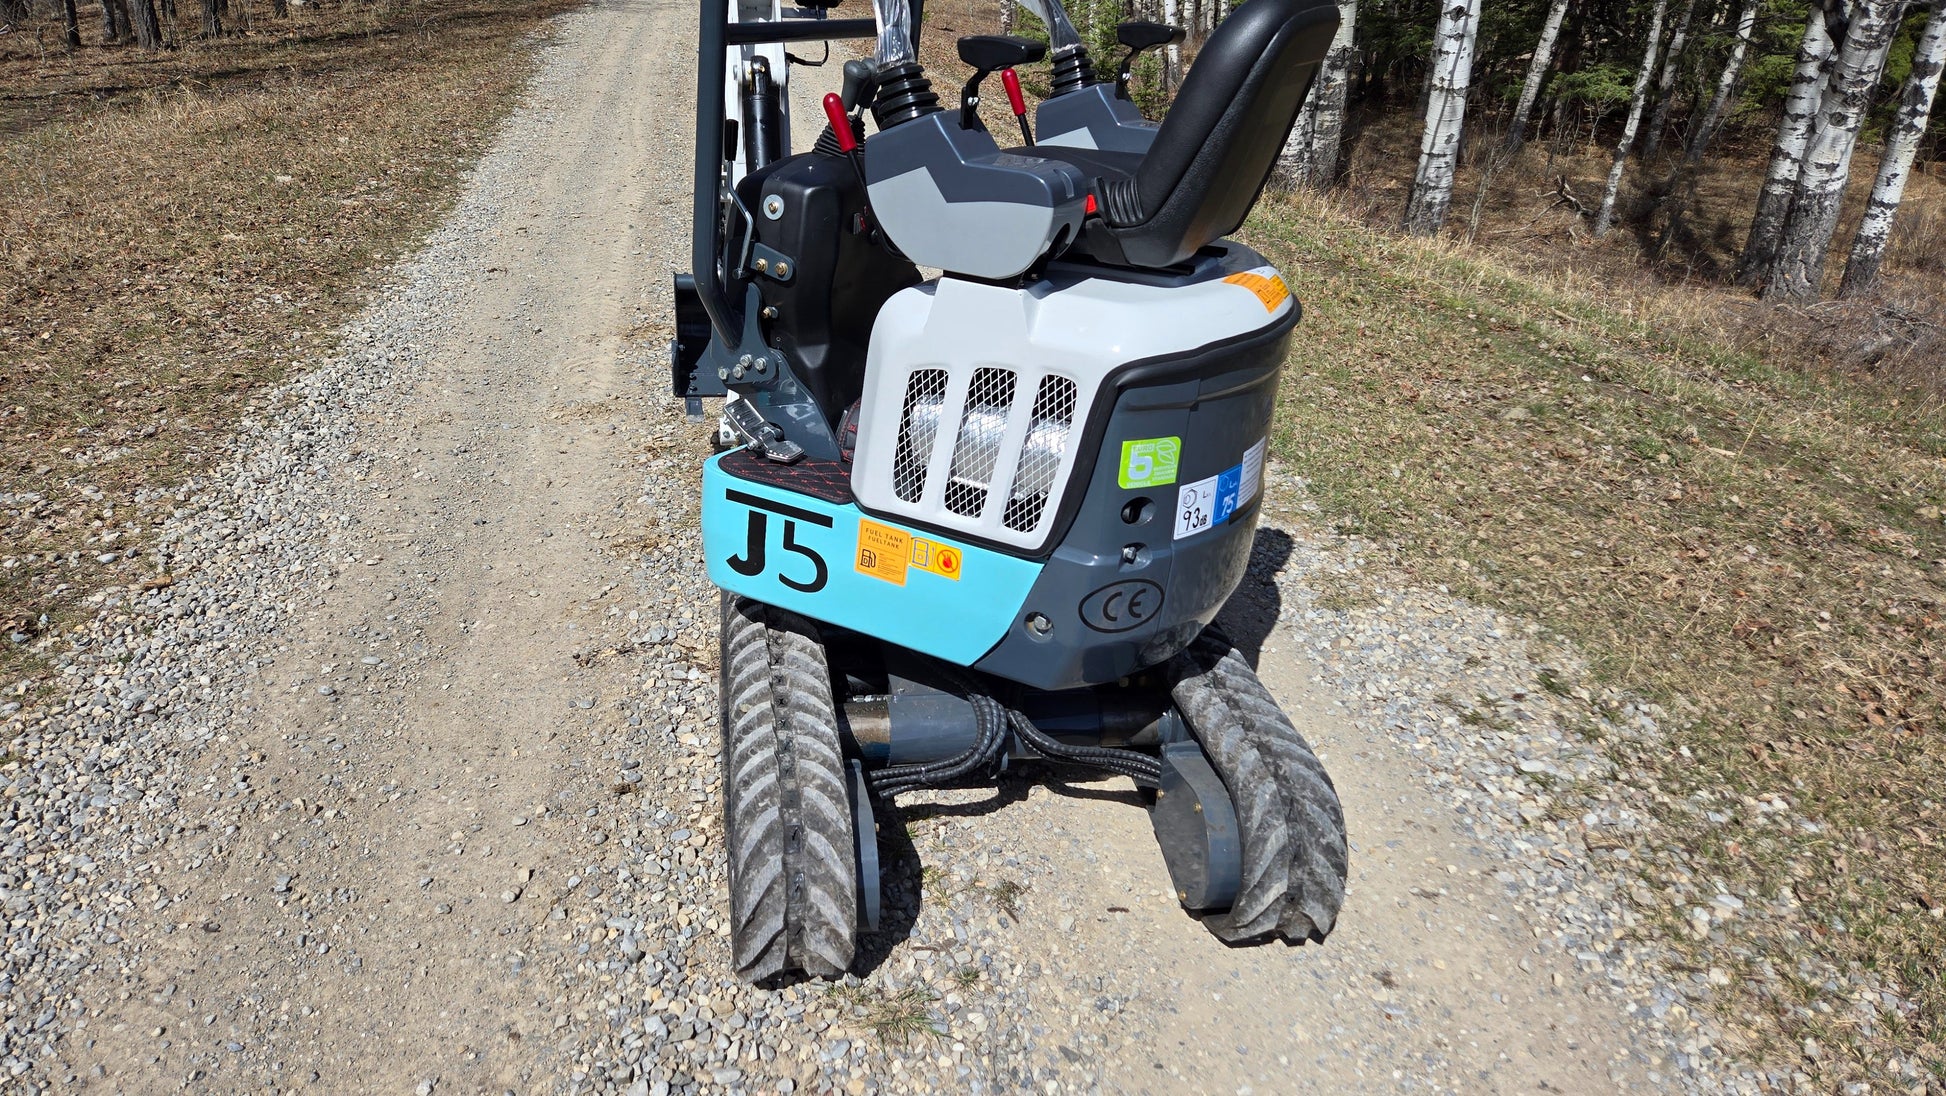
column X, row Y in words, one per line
column 859, row 81
column 1139, row 35
column 987, row 52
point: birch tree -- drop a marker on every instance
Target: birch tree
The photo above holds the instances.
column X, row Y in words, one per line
column 1665, row 85
column 1787, row 151
column 1895, row 166
column 1537, row 72
column 1798, row 269
column 1172, row 53
column 1605, row 219
column 1726, row 84
column 1310, row 155
column 1452, row 74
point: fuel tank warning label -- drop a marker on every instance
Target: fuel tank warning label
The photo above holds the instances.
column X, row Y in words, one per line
column 887, row 552
column 1210, row 502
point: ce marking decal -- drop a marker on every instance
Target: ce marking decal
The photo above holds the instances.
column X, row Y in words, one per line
column 753, row 561
column 1121, row 606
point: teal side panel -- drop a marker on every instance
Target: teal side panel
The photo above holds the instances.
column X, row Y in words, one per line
column 803, row 554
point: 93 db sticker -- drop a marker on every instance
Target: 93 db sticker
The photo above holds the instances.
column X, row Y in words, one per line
column 1210, row 502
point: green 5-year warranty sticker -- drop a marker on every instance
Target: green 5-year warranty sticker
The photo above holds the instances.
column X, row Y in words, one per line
column 1150, row 462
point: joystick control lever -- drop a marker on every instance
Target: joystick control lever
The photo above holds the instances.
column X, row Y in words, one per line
column 1011, row 81
column 987, row 53
column 1139, row 35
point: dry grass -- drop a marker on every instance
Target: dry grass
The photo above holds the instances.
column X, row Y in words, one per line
column 1756, row 545
column 188, row 227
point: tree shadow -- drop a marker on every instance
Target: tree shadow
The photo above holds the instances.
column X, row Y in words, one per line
column 902, row 892
column 1251, row 614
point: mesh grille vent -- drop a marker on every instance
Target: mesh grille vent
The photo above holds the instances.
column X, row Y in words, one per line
column 1040, row 456
column 925, row 398
column 976, row 452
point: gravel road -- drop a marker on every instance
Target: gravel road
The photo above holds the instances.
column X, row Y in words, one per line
column 404, row 778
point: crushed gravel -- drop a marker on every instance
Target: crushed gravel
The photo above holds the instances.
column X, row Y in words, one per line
column 145, row 765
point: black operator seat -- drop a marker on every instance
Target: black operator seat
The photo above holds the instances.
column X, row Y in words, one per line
column 987, row 52
column 1218, row 143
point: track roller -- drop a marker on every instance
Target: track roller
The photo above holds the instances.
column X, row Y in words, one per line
column 788, row 811
column 1291, row 827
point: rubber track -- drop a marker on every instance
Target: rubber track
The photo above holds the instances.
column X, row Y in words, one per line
column 793, row 883
column 1291, row 824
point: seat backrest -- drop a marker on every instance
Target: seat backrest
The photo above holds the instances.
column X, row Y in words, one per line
column 1216, row 147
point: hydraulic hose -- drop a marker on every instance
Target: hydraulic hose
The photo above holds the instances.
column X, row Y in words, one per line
column 990, row 738
column 1136, row 766
column 991, row 721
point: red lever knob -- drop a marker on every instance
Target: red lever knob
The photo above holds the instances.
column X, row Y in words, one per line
column 1012, row 84
column 834, row 112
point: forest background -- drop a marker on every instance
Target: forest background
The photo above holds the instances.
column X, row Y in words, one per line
column 1624, row 317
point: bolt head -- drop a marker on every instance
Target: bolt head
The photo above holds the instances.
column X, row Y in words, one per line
column 737, row 372
column 745, row 361
column 722, row 372
column 783, row 269
column 1038, row 624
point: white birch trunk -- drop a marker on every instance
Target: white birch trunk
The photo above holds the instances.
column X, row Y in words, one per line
column 1787, row 151
column 1006, row 16
column 1719, row 107
column 1798, row 271
column 1605, row 219
column 1295, row 167
column 1536, row 72
column 1665, row 86
column 1172, row 57
column 1452, row 74
column 1895, row 166
column 1310, row 155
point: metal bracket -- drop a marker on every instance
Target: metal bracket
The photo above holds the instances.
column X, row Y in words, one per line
column 772, row 264
column 768, row 437
column 1196, row 825
column 864, row 828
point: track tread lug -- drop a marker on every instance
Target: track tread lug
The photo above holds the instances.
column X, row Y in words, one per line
column 769, row 653
column 1293, row 828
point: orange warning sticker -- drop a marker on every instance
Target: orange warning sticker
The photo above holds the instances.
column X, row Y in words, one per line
column 940, row 559
column 883, row 551
column 1266, row 283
